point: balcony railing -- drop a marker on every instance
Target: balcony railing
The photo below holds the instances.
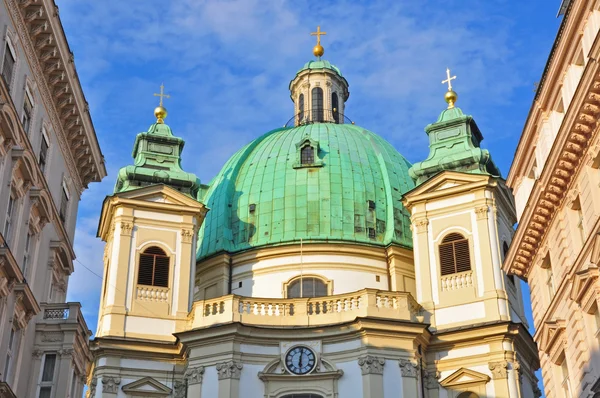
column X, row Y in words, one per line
column 457, row 281
column 318, row 116
column 152, row 293
column 64, row 312
column 305, row 311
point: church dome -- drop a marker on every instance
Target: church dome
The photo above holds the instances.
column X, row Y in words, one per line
column 320, row 64
column 316, row 182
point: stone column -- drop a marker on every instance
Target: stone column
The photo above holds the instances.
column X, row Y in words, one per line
column 372, row 375
column 110, row 386
column 229, row 379
column 194, row 376
column 409, row 371
column 431, row 379
column 500, row 378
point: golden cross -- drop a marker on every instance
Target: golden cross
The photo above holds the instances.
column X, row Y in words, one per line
column 318, row 33
column 162, row 94
column 449, row 79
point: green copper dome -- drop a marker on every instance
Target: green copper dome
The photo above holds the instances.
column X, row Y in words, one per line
column 321, row 64
column 349, row 191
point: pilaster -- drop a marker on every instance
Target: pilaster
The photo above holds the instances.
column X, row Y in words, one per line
column 499, row 371
column 193, row 378
column 229, row 379
column 110, row 386
column 64, row 372
column 431, row 380
column 372, row 375
column 409, row 370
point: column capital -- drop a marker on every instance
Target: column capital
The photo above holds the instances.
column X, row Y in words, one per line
column 110, row 384
column 499, row 369
column 229, row 370
column 431, row 379
column 370, row 364
column 408, row 368
column 194, row 375
column 481, row 212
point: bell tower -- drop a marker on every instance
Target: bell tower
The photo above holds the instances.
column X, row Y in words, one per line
column 462, row 215
column 319, row 91
column 150, row 227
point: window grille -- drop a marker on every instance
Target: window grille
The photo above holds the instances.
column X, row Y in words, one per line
column 454, row 254
column 154, row 268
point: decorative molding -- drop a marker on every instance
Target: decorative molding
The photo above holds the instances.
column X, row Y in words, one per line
column 421, row 225
column 51, row 337
column 179, row 389
column 432, row 379
column 37, row 353
column 65, row 353
column 517, row 366
column 408, row 368
column 187, row 235
column 370, row 364
column 126, row 228
column 110, row 384
column 229, row 370
column 482, row 212
column 499, row 369
column 194, row 375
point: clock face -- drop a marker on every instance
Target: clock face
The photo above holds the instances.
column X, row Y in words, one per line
column 300, row 360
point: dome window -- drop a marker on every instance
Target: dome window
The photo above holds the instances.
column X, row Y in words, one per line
column 335, row 108
column 454, row 254
column 317, row 104
column 153, row 268
column 308, row 286
column 252, row 208
column 308, row 154
column 301, row 109
column 371, row 205
column 372, row 233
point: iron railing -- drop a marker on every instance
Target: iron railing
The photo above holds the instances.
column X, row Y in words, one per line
column 318, row 116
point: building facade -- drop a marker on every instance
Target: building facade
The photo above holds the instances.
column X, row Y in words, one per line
column 318, row 263
column 48, row 155
column 555, row 180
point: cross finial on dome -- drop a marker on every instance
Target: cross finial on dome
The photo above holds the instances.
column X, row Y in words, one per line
column 160, row 111
column 451, row 95
column 318, row 50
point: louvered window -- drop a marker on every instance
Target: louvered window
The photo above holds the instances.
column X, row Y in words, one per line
column 454, row 254
column 154, row 268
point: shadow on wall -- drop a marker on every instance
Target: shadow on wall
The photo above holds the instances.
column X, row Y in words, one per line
column 590, row 374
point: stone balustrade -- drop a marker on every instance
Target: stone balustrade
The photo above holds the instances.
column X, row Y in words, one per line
column 152, row 293
column 305, row 311
column 457, row 281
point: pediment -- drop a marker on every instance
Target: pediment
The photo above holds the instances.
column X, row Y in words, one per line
column 583, row 282
column 146, row 387
column 159, row 193
column 464, row 376
column 553, row 333
column 445, row 183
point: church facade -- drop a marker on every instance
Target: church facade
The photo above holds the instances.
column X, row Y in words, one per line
column 318, row 263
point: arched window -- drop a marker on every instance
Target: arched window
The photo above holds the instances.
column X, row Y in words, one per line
column 335, row 107
column 317, row 104
column 307, row 155
column 454, row 254
column 154, row 267
column 468, row 394
column 300, row 108
column 306, row 287
column 302, row 395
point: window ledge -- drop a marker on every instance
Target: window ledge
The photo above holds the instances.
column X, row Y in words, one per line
column 308, row 165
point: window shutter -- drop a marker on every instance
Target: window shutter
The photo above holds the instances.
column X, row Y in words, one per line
column 454, row 254
column 145, row 269
column 463, row 260
column 161, row 271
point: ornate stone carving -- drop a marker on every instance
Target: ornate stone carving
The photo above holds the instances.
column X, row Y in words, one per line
column 499, row 369
column 110, row 384
column 421, row 225
column 179, row 389
column 517, row 366
column 187, row 235
column 370, row 364
column 481, row 212
column 66, row 352
column 431, row 379
column 408, row 368
column 194, row 375
column 51, row 337
column 229, row 370
column 37, row 353
column 126, row 228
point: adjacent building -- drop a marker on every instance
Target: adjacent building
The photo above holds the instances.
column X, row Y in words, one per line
column 555, row 178
column 318, row 263
column 48, row 155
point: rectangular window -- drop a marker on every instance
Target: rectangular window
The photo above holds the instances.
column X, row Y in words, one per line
column 49, row 365
column 9, row 218
column 64, row 204
column 45, row 392
column 26, row 252
column 27, row 111
column 11, row 354
column 547, row 268
column 44, row 152
column 565, row 383
column 8, row 65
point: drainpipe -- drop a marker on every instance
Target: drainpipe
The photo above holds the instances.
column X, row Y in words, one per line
column 229, row 287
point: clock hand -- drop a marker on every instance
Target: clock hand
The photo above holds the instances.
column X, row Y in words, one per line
column 300, row 360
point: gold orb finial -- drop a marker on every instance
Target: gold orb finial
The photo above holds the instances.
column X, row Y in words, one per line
column 160, row 111
column 318, row 50
column 450, row 97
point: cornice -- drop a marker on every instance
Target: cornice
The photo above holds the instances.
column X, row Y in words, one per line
column 37, row 24
column 564, row 161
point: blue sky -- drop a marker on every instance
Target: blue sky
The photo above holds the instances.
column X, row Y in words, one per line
column 227, row 65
